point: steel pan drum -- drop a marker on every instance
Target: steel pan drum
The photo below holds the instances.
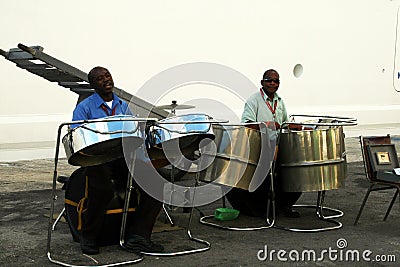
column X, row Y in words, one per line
column 99, row 142
column 237, row 156
column 178, row 135
column 311, row 160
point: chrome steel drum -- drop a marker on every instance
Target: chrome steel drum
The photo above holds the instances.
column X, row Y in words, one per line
column 237, row 156
column 178, row 135
column 311, row 160
column 99, row 142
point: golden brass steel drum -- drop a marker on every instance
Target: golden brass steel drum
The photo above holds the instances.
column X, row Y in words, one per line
column 237, row 156
column 311, row 160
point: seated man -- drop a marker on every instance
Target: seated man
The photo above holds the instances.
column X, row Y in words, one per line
column 265, row 106
column 101, row 104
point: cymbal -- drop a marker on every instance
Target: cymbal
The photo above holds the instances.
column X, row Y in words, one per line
column 175, row 106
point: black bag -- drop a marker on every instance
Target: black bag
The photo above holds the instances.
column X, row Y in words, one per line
column 75, row 189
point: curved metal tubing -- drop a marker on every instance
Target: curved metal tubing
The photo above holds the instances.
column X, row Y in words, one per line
column 335, row 120
column 270, row 222
column 189, row 234
column 51, row 225
column 319, row 212
column 104, row 265
column 58, row 219
column 186, row 252
column 270, row 202
column 204, row 219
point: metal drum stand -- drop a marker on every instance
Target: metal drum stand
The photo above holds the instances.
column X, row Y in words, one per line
column 239, row 150
column 170, row 130
column 52, row 225
column 269, row 221
column 319, row 170
column 337, row 162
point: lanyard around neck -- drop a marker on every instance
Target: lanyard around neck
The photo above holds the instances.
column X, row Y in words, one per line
column 273, row 110
column 103, row 106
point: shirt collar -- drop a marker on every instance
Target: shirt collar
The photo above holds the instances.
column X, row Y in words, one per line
column 276, row 96
column 99, row 101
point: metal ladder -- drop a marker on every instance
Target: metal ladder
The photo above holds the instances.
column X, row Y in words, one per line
column 34, row 60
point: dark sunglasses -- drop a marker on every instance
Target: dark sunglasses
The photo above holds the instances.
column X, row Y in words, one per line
column 272, row 80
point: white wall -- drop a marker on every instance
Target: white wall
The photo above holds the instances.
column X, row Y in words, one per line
column 345, row 46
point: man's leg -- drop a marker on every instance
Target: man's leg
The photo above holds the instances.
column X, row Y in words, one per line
column 145, row 216
column 99, row 195
column 285, row 201
column 250, row 203
column 138, row 237
column 140, row 225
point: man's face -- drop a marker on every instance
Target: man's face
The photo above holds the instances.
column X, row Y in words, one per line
column 103, row 82
column 271, row 82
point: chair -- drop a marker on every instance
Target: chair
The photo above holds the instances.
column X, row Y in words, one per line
column 380, row 158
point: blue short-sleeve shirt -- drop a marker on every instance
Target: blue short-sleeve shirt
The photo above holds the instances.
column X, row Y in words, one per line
column 94, row 107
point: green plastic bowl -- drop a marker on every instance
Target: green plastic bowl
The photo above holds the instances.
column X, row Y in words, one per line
column 226, row 214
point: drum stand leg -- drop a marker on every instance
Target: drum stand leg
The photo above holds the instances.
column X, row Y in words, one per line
column 319, row 208
column 167, row 216
column 167, row 208
column 189, row 234
column 191, row 237
column 58, row 219
column 51, row 225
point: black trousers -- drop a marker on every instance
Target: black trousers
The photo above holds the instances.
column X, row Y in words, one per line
column 255, row 203
column 102, row 180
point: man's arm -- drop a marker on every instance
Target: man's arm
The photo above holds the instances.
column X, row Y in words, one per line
column 249, row 113
column 79, row 113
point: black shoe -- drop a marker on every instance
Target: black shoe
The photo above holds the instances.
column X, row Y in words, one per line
column 89, row 247
column 288, row 212
column 137, row 243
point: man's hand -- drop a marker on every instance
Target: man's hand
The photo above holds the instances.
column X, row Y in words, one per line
column 296, row 127
column 272, row 125
column 299, row 127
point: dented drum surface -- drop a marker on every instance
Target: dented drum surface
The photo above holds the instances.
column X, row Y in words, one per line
column 99, row 142
column 311, row 160
column 178, row 135
column 238, row 150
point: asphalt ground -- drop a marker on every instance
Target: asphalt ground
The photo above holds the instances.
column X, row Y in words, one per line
column 25, row 197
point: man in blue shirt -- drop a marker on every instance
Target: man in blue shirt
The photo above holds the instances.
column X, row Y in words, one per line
column 104, row 103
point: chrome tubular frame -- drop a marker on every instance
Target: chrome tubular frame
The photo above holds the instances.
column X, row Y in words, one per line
column 270, row 205
column 336, row 121
column 319, row 208
column 51, row 226
column 188, row 232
